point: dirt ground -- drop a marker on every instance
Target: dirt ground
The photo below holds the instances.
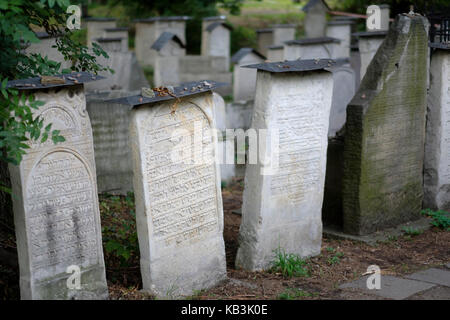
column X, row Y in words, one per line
column 340, row 261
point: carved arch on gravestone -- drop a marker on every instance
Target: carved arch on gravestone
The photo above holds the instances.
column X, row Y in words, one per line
column 90, row 216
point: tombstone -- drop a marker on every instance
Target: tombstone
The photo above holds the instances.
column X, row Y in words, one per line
column 385, row 133
column 113, row 159
column 282, row 209
column 368, row 43
column 244, row 80
column 216, row 38
column 110, row 44
column 96, row 27
column 148, row 31
column 264, row 39
column 128, row 74
column 45, row 48
column 56, row 213
column 282, row 33
column 275, row 53
column 437, row 147
column 169, row 45
column 310, row 48
column 316, row 18
column 178, row 205
column 355, row 62
column 343, row 92
column 227, row 171
column 118, row 33
column 239, row 114
column 341, row 29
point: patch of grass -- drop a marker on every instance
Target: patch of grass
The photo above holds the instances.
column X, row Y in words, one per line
column 411, row 231
column 440, row 219
column 294, row 293
column 290, row 265
column 335, row 259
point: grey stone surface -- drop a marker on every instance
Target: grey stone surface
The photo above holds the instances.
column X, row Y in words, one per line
column 385, row 133
column 110, row 128
column 96, row 28
column 118, row 33
column 244, row 80
column 149, row 30
column 265, row 40
column 45, row 49
column 433, row 275
column 391, row 287
column 435, row 293
column 239, row 114
column 368, row 47
column 282, row 208
column 301, row 49
column 437, row 145
column 56, row 213
column 216, row 39
column 343, row 93
column 342, row 30
column 448, row 265
column 128, row 74
column 316, row 18
column 178, row 205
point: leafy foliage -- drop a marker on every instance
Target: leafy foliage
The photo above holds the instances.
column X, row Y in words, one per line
column 440, row 219
column 18, row 20
column 119, row 229
column 290, row 265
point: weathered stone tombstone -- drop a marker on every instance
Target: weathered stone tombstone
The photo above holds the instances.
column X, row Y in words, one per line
column 265, row 40
column 282, row 210
column 437, row 148
column 56, row 213
column 343, row 92
column 45, row 48
column 369, row 42
column 169, row 45
column 178, row 201
column 385, row 133
column 148, row 31
column 96, row 27
column 282, row 33
column 355, row 62
column 216, row 38
column 244, row 80
column 316, row 18
column 121, row 32
column 275, row 53
column 110, row 44
column 310, row 48
column 113, row 159
column 341, row 29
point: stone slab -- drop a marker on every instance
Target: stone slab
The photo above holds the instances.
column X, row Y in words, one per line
column 435, row 293
column 432, row 275
column 55, row 201
column 385, row 133
column 178, row 200
column 391, row 287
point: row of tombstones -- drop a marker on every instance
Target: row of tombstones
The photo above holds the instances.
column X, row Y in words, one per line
column 179, row 210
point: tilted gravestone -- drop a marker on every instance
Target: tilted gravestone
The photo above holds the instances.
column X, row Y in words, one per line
column 55, row 200
column 216, row 38
column 385, row 133
column 282, row 208
column 177, row 188
column 437, row 145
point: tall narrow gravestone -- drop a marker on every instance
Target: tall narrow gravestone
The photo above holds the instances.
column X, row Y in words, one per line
column 177, row 186
column 55, row 202
column 385, row 133
column 437, row 145
column 282, row 206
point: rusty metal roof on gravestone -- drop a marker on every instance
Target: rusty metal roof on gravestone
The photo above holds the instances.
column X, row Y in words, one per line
column 294, row 66
column 35, row 83
column 183, row 90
